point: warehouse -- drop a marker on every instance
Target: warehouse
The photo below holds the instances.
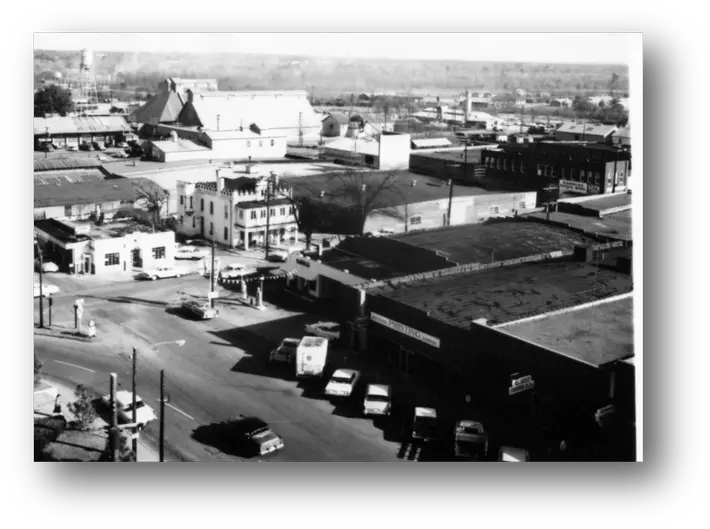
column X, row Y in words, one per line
column 75, row 131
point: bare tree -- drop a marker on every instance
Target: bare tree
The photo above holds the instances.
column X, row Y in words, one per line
column 154, row 198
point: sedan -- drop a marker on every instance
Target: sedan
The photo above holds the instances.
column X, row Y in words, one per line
column 123, row 145
column 190, row 252
column 47, row 266
column 72, row 148
column 426, row 424
column 160, row 272
column 324, row 329
column 254, row 436
column 286, row 352
column 47, row 290
column 120, row 155
column 278, row 256
column 378, row 400
column 342, row 383
column 235, row 270
column 199, row 309
column 124, row 408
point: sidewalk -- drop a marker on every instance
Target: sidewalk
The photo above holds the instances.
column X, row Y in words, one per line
column 44, row 406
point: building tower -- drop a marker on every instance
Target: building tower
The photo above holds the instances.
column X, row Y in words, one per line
column 87, row 82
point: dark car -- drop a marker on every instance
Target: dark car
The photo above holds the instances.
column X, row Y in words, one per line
column 254, row 436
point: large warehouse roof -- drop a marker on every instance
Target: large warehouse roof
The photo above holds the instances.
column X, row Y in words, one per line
column 165, row 107
column 80, row 125
column 111, row 190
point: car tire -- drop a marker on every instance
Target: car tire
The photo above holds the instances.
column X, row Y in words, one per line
column 153, row 278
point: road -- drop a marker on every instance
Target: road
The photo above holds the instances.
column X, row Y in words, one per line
column 220, row 373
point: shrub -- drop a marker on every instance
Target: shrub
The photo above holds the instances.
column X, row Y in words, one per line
column 83, row 408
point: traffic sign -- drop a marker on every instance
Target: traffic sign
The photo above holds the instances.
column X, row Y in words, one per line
column 521, row 387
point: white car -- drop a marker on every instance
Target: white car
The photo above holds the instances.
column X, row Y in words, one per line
column 235, row 270
column 47, row 266
column 378, row 400
column 278, row 256
column 120, row 154
column 47, row 290
column 342, row 383
column 124, row 407
column 425, row 426
column 160, row 272
column 72, row 148
column 190, row 252
column 324, row 329
column 286, row 352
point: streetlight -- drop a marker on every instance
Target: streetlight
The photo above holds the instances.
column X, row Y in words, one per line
column 179, row 343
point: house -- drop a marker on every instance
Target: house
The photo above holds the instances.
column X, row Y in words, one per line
column 571, row 131
column 335, row 124
column 236, row 211
column 88, row 247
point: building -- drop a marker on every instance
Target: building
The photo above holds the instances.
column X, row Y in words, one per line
column 372, row 124
column 591, row 132
column 383, row 152
column 78, row 130
column 578, row 168
column 163, row 107
column 235, row 212
column 286, row 113
column 335, row 124
column 86, row 247
column 196, row 85
column 463, row 165
column 86, row 197
column 622, row 137
column 430, row 143
column 360, row 260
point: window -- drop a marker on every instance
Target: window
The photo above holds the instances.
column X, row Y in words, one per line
column 596, row 177
column 159, row 252
column 211, row 208
column 290, row 210
column 226, row 235
column 554, row 171
column 272, row 212
column 253, row 214
column 248, row 143
column 263, row 213
column 416, row 219
column 226, row 211
column 522, row 167
column 540, row 169
column 272, row 142
column 241, row 215
column 190, row 202
column 505, row 164
column 282, row 211
column 564, row 173
column 211, row 228
column 112, row 259
column 572, row 174
column 194, row 220
column 182, row 200
column 582, row 175
column 548, row 170
column 494, row 210
column 521, row 204
column 497, row 163
column 512, row 165
column 67, row 211
column 202, row 204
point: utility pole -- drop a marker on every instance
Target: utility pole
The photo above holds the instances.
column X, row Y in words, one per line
column 114, row 420
column 134, row 442
column 213, row 236
column 453, row 167
column 46, row 144
column 162, row 416
column 268, row 215
column 300, row 129
column 217, row 122
column 41, row 286
column 522, row 118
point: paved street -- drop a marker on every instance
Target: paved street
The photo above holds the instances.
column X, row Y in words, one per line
column 221, row 371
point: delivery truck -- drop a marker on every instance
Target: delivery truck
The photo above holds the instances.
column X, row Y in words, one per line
column 311, row 357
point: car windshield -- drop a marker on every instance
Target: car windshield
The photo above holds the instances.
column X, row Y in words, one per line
column 259, row 432
column 290, row 343
column 139, row 405
column 343, row 379
column 377, row 398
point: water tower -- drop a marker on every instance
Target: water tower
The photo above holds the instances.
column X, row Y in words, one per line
column 87, row 82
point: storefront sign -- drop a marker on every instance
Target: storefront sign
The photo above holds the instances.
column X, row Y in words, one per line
column 413, row 333
column 569, row 185
column 521, row 387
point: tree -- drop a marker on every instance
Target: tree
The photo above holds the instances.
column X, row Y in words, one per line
column 53, row 100
column 38, row 370
column 154, row 199
column 82, row 408
column 125, row 453
column 602, row 104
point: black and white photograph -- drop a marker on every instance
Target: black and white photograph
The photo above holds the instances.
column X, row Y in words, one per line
column 282, row 257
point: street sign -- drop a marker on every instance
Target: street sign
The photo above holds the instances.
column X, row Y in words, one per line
column 521, row 381
column 521, row 387
column 212, row 295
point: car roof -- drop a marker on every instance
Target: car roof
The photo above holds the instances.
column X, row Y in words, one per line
column 470, row 424
column 509, row 453
column 288, row 341
column 378, row 389
column 252, row 423
column 124, row 397
column 425, row 412
column 345, row 372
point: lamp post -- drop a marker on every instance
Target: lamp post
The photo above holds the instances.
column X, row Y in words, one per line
column 134, row 417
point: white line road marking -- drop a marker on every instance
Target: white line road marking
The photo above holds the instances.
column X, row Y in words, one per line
column 74, row 365
column 179, row 411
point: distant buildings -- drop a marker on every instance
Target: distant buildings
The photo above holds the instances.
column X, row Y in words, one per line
column 78, row 130
column 383, row 152
column 592, row 132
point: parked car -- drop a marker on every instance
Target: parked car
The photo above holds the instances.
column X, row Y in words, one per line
column 72, row 148
column 199, row 309
column 98, row 145
column 123, row 145
column 425, row 426
column 120, row 155
column 160, row 272
column 199, row 242
column 47, row 290
column 470, row 441
column 286, row 352
column 86, row 147
column 235, row 270
column 47, row 266
column 342, row 383
column 509, row 454
column 254, row 436
column 190, row 252
column 278, row 256
column 324, row 329
column 124, row 408
column 46, row 147
column 378, row 400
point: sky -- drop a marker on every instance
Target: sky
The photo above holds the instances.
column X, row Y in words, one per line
column 600, row 48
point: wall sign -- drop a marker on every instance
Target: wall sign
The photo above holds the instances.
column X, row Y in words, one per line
column 399, row 327
column 570, row 185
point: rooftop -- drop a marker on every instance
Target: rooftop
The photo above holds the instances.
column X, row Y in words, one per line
column 164, row 107
column 62, row 232
column 80, row 125
column 359, row 146
column 96, row 192
column 428, row 143
column 253, row 204
column 588, row 128
column 68, row 177
column 595, row 334
column 58, row 164
column 509, row 293
column 615, row 225
column 179, row 145
column 605, row 202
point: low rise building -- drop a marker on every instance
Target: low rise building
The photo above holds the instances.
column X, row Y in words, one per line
column 591, row 132
column 88, row 247
column 384, row 152
column 75, row 131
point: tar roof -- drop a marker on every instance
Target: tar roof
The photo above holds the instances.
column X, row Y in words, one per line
column 111, row 190
column 614, row 225
column 179, row 145
column 494, row 240
column 509, row 293
column 425, row 412
column 587, row 128
column 80, row 125
column 358, row 146
column 595, row 334
column 605, row 202
column 431, row 142
column 68, row 177
column 66, row 163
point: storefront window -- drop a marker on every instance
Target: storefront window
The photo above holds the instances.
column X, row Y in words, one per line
column 159, row 252
column 112, row 259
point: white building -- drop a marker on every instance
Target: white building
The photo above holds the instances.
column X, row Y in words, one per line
column 233, row 211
